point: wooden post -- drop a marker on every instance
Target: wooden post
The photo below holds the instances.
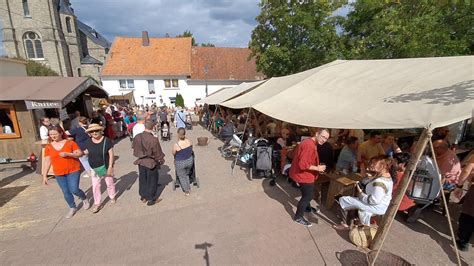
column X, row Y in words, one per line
column 389, row 216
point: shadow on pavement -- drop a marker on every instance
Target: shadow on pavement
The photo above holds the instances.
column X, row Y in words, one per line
column 204, row 246
column 25, row 170
column 434, row 225
column 352, row 257
column 284, row 194
column 8, row 193
column 163, row 180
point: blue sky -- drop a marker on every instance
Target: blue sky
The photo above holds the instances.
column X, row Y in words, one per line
column 225, row 23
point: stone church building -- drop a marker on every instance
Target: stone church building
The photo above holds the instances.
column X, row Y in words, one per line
column 49, row 32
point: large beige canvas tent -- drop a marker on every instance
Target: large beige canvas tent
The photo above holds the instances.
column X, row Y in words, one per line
column 367, row 94
column 226, row 94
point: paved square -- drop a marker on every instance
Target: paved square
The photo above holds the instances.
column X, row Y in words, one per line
column 228, row 220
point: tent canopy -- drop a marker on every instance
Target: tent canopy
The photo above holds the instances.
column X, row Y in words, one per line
column 369, row 94
column 226, row 94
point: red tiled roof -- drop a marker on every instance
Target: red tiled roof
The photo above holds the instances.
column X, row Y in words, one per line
column 223, row 64
column 164, row 56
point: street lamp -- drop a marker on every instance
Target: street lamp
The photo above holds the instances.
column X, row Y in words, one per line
column 206, row 70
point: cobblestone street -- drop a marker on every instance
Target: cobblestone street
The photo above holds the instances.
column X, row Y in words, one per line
column 228, row 220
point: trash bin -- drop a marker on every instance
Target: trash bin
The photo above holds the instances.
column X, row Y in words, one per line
column 386, row 258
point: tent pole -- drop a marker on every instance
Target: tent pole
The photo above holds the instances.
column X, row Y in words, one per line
column 243, row 135
column 445, row 205
column 389, row 216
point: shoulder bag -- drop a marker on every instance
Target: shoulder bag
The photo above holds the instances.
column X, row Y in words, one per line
column 101, row 171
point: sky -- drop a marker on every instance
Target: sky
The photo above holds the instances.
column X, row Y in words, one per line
column 224, row 23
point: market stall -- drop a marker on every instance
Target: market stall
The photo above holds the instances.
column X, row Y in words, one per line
column 24, row 100
column 373, row 94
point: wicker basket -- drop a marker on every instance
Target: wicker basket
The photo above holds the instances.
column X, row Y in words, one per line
column 202, row 141
column 386, row 258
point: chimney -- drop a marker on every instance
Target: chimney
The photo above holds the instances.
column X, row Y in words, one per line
column 145, row 39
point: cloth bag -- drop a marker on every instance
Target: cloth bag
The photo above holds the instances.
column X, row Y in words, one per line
column 101, row 171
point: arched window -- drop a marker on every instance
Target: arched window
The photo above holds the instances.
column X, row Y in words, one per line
column 33, row 46
column 68, row 24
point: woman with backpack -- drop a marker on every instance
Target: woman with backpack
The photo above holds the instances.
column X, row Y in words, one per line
column 101, row 159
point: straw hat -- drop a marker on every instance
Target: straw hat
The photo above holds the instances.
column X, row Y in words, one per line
column 94, row 127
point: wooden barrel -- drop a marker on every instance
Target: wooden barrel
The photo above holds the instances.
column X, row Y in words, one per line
column 202, row 141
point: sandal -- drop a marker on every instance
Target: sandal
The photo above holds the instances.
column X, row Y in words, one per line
column 341, row 227
column 113, row 201
column 96, row 208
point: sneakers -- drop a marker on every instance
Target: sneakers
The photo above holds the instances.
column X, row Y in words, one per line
column 303, row 221
column 85, row 204
column 71, row 213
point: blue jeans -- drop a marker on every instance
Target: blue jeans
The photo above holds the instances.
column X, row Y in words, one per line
column 69, row 184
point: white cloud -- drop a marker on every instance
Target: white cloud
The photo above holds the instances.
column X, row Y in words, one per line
column 227, row 23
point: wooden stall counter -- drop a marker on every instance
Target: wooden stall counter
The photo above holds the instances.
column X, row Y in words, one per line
column 339, row 183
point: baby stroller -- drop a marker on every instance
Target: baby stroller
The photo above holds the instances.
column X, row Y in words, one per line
column 165, row 133
column 262, row 159
column 423, row 195
column 193, row 179
column 189, row 122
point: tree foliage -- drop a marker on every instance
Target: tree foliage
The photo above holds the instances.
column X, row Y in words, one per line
column 408, row 28
column 207, row 44
column 34, row 68
column 179, row 100
column 293, row 36
column 188, row 33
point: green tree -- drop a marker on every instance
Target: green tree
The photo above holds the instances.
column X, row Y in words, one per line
column 34, row 68
column 293, row 36
column 207, row 44
column 408, row 28
column 188, row 33
column 179, row 100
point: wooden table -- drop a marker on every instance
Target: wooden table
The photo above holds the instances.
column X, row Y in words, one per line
column 340, row 184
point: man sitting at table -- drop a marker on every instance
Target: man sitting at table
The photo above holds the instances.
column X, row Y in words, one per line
column 369, row 149
column 347, row 161
column 448, row 163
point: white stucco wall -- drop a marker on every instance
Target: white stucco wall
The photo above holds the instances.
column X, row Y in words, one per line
column 190, row 89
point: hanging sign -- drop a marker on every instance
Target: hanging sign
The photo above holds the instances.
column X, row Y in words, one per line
column 42, row 104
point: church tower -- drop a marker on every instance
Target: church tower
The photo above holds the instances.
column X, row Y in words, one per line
column 33, row 29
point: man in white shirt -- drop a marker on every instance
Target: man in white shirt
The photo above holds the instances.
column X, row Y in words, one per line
column 140, row 125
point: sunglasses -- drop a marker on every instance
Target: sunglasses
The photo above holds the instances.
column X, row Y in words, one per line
column 95, row 131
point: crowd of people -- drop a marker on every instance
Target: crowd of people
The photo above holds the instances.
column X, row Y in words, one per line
column 89, row 142
column 307, row 152
column 377, row 157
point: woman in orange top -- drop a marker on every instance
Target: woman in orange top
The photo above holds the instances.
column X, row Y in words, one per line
column 63, row 154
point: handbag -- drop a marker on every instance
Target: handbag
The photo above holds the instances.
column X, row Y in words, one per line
column 101, row 171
